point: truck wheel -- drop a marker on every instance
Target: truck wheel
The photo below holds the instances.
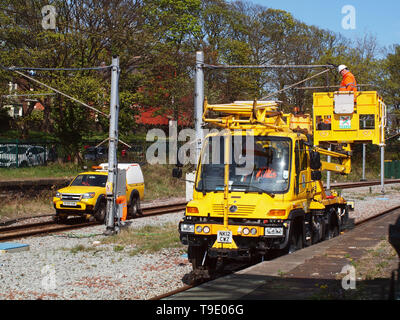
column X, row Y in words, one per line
column 100, row 213
column 295, row 240
column 332, row 229
column 318, row 227
column 60, row 218
column 134, row 208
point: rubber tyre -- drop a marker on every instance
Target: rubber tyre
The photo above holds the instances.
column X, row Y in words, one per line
column 295, row 241
column 60, row 218
column 134, row 208
column 332, row 229
column 101, row 211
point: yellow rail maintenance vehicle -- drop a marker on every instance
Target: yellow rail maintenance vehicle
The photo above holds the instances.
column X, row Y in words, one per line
column 258, row 185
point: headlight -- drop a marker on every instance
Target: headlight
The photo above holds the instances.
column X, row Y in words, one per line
column 246, row 231
column 88, row 195
column 198, row 229
column 253, row 231
column 58, row 195
column 206, row 229
column 187, row 227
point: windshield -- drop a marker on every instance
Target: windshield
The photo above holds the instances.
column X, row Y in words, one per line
column 92, row 180
column 260, row 164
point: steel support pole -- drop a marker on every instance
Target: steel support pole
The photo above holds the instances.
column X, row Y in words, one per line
column 112, row 148
column 198, row 102
column 383, row 169
column 364, row 149
column 328, row 173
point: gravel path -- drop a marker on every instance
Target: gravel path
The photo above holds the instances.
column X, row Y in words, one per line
column 51, row 270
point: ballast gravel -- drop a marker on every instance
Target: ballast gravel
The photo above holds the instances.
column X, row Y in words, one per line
column 51, row 270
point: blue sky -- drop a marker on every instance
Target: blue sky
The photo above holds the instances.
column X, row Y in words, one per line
column 379, row 18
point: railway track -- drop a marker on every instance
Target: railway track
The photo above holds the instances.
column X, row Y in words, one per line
column 15, row 232
column 356, row 224
column 27, row 230
column 350, row 185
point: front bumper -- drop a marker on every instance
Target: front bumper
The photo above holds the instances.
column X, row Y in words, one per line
column 76, row 207
column 254, row 240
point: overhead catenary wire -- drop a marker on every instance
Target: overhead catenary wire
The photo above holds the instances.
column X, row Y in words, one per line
column 333, row 86
column 57, row 69
column 394, row 136
column 266, row 66
column 28, row 95
column 295, row 84
column 55, row 90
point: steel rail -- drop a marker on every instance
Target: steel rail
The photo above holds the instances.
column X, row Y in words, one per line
column 350, row 185
column 20, row 231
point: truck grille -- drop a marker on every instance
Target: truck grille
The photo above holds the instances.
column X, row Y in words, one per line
column 243, row 209
column 73, row 197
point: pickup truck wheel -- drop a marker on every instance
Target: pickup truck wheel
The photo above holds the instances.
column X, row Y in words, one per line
column 60, row 218
column 100, row 213
column 134, row 208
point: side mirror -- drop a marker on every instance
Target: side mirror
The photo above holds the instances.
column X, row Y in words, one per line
column 177, row 173
column 315, row 160
column 316, row 175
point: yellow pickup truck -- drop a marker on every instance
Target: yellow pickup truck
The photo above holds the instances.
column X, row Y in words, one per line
column 86, row 194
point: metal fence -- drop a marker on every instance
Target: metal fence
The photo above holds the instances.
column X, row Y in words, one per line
column 135, row 153
column 19, row 154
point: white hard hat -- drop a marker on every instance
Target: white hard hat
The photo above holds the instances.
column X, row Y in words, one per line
column 341, row 67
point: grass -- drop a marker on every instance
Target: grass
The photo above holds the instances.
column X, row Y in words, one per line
column 147, row 239
column 378, row 263
column 13, row 207
column 160, row 184
column 52, row 170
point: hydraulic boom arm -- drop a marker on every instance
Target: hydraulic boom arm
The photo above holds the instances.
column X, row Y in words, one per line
column 345, row 158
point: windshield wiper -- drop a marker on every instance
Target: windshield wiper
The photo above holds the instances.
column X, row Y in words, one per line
column 251, row 186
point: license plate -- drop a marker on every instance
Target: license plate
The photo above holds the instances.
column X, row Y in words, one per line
column 224, row 236
column 69, row 203
column 273, row 231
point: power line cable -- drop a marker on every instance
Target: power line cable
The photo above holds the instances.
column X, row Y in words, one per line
column 55, row 90
column 295, row 84
column 58, row 69
column 265, row 66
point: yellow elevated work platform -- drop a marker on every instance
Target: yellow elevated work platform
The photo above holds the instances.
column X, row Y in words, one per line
column 339, row 117
column 251, row 114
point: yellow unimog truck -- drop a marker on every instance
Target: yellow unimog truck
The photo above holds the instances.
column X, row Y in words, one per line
column 86, row 194
column 274, row 200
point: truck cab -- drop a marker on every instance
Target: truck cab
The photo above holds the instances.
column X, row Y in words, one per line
column 86, row 194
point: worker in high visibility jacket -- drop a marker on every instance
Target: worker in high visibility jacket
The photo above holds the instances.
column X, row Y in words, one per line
column 349, row 81
column 266, row 173
column 121, row 200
